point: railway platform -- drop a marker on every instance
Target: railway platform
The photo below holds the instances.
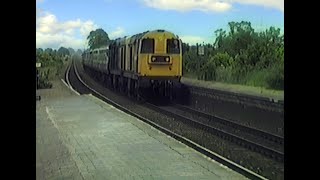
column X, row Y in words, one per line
column 82, row 137
column 276, row 95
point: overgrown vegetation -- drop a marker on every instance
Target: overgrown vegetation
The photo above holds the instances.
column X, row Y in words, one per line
column 52, row 64
column 241, row 56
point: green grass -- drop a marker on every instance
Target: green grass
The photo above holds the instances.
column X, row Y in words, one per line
column 190, row 75
column 266, row 82
column 270, row 78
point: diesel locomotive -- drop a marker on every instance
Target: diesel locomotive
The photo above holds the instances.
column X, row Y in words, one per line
column 145, row 63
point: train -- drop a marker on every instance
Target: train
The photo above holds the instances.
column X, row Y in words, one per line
column 145, row 63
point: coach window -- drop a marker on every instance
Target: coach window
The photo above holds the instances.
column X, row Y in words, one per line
column 173, row 46
column 147, row 46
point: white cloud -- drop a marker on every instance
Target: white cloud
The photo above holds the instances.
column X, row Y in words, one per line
column 188, row 5
column 51, row 33
column 55, row 41
column 116, row 33
column 277, row 4
column 209, row 5
column 192, row 40
column 87, row 27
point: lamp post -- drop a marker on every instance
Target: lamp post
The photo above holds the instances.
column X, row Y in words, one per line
column 38, row 65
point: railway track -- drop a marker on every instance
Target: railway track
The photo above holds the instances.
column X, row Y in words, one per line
column 270, row 145
column 264, row 143
column 215, row 119
column 248, row 100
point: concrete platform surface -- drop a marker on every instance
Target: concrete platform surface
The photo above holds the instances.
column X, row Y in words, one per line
column 81, row 137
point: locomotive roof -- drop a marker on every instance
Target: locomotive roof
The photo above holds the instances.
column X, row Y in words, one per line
column 159, row 31
column 137, row 36
column 134, row 38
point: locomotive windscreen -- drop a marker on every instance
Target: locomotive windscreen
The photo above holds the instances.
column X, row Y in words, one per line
column 147, row 46
column 173, row 46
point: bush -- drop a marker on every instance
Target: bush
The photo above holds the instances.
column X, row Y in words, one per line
column 44, row 84
column 275, row 78
column 225, row 74
column 271, row 77
column 257, row 78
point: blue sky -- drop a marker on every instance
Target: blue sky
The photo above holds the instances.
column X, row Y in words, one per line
column 68, row 23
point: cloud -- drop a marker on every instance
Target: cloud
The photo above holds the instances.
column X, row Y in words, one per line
column 192, row 40
column 188, row 5
column 56, row 41
column 119, row 32
column 52, row 33
column 277, row 4
column 209, row 5
column 87, row 27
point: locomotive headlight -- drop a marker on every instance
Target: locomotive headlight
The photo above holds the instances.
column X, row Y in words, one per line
column 153, row 59
column 167, row 59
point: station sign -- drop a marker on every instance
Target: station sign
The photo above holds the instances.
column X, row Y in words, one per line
column 201, row 50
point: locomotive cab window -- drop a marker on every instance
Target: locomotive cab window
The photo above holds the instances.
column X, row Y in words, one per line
column 147, row 46
column 173, row 46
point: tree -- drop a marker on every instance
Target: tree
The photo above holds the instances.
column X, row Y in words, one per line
column 185, row 47
column 48, row 50
column 62, row 51
column 71, row 51
column 79, row 52
column 220, row 37
column 97, row 38
column 241, row 55
column 39, row 50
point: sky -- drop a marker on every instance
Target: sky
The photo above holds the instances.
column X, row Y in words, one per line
column 67, row 23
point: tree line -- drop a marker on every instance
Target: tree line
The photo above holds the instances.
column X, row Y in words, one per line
column 52, row 63
column 239, row 55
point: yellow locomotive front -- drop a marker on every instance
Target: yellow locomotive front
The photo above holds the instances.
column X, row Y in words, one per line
column 160, row 56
